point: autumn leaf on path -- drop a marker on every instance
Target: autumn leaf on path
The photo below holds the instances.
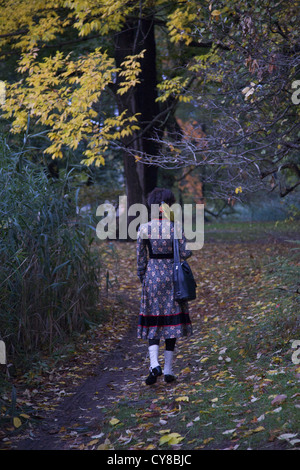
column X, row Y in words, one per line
column 114, row 421
column 279, row 399
column 17, row 422
column 171, row 439
column 182, row 399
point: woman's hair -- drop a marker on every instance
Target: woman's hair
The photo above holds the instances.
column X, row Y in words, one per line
column 159, row 195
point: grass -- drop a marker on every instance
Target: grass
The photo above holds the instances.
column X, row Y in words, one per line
column 234, row 231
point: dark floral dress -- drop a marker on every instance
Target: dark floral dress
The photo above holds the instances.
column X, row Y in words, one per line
column 160, row 316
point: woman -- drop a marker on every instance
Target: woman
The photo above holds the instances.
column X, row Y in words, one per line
column 160, row 316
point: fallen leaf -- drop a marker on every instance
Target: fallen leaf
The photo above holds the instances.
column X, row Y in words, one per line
column 182, row 399
column 93, row 442
column 171, row 439
column 279, row 399
column 187, row 370
column 164, row 431
column 17, row 422
column 287, row 436
column 162, row 421
column 204, row 359
column 105, row 446
column 114, row 421
column 259, row 429
column 206, row 441
column 98, row 436
column 294, row 441
column 229, row 431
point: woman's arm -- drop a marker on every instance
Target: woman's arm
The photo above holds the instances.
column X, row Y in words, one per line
column 141, row 252
column 184, row 253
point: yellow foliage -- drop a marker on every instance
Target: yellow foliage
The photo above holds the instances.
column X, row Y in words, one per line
column 173, row 87
column 60, row 91
column 181, row 22
column 55, row 97
column 131, row 68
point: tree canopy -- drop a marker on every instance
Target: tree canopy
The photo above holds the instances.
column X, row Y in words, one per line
column 233, row 66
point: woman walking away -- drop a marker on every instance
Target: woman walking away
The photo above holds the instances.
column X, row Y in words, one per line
column 160, row 318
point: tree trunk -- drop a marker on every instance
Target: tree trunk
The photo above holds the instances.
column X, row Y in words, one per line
column 136, row 36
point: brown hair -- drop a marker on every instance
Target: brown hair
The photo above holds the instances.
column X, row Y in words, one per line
column 159, row 195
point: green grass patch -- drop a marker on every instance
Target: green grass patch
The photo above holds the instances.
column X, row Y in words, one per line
column 233, row 231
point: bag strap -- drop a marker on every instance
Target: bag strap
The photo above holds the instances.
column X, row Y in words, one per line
column 176, row 248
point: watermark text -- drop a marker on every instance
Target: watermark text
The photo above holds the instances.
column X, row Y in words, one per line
column 125, row 221
column 296, row 94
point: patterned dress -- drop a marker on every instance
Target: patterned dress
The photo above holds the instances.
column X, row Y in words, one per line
column 160, row 316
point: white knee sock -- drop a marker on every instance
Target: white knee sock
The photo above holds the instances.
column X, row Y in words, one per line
column 168, row 370
column 153, row 353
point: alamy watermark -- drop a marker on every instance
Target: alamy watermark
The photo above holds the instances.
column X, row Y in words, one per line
column 188, row 220
column 2, row 352
column 296, row 353
column 2, row 92
column 296, row 94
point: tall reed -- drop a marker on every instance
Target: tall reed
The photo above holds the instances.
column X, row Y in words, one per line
column 49, row 273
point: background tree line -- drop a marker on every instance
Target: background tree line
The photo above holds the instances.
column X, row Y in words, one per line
column 109, row 76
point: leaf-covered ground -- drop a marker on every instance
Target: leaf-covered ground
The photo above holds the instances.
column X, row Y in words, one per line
column 237, row 377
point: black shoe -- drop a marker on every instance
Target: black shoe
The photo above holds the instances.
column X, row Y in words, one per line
column 152, row 377
column 169, row 378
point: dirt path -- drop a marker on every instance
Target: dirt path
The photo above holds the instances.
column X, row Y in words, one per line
column 79, row 417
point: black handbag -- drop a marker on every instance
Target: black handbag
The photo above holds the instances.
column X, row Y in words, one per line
column 184, row 282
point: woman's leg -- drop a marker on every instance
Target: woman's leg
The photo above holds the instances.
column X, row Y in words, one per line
column 170, row 344
column 155, row 369
column 169, row 354
column 153, row 352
